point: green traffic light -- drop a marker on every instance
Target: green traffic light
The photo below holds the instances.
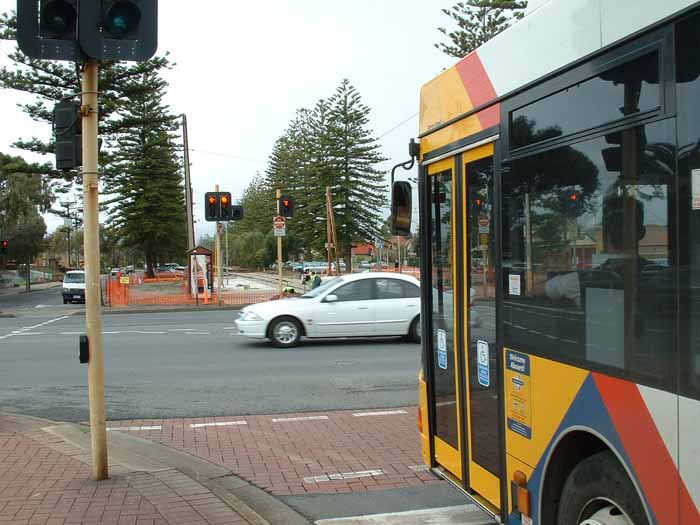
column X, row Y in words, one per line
column 58, row 18
column 123, row 19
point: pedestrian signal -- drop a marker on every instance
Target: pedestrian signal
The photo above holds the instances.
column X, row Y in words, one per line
column 4, row 247
column 286, row 207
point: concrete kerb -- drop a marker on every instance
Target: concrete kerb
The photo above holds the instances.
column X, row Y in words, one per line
column 132, row 454
column 166, row 310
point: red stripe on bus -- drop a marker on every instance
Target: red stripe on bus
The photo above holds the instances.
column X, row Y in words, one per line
column 481, row 91
column 644, row 445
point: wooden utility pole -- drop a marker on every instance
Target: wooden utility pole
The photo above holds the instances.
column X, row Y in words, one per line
column 332, row 233
column 217, row 256
column 93, row 313
column 188, row 185
column 278, row 196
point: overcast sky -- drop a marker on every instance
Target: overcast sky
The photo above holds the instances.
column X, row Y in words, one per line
column 244, row 68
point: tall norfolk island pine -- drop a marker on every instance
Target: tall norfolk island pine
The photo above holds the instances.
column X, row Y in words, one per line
column 147, row 208
column 478, row 22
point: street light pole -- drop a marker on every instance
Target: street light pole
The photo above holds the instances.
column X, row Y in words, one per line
column 188, row 185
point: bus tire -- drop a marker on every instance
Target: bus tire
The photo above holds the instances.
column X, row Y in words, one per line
column 599, row 488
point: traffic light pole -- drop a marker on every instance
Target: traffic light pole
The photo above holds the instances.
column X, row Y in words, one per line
column 278, row 195
column 93, row 313
column 218, row 259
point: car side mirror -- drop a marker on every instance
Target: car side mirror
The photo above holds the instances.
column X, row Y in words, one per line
column 401, row 208
column 331, row 299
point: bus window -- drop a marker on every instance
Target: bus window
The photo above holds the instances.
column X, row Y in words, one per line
column 588, row 267
column 443, row 308
column 688, row 100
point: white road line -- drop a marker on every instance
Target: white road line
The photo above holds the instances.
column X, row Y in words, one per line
column 419, row 468
column 30, row 334
column 218, row 424
column 182, row 330
column 28, row 328
column 153, row 427
column 382, row 413
column 306, row 418
column 197, row 333
column 230, row 328
column 344, row 475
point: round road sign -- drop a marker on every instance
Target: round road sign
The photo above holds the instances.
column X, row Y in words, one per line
column 278, row 222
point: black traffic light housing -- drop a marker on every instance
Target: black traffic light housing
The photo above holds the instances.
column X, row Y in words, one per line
column 47, row 29
column 119, row 29
column 100, row 29
column 218, row 207
column 4, row 247
column 237, row 213
column 225, row 206
column 69, row 141
column 212, row 208
column 286, row 206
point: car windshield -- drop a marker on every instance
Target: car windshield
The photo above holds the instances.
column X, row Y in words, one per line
column 74, row 278
column 322, row 289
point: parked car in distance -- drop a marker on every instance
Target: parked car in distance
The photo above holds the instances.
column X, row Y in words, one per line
column 356, row 305
column 73, row 288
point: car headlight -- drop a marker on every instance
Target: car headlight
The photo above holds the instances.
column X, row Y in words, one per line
column 249, row 316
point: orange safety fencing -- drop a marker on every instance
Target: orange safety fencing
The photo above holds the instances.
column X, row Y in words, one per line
column 117, row 294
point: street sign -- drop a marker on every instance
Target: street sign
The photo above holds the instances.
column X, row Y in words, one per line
column 279, row 226
column 484, row 224
column 124, row 280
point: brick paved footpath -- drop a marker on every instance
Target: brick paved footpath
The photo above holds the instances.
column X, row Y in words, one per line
column 298, row 454
column 44, row 480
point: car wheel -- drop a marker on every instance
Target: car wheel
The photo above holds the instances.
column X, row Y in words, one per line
column 285, row 332
column 414, row 331
column 598, row 491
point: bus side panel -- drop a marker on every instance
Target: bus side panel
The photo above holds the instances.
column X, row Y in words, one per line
column 423, row 424
column 637, row 423
column 689, row 458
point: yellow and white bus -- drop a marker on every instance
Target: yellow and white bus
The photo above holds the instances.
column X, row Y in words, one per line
column 559, row 189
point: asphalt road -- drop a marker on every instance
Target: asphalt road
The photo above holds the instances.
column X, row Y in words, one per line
column 33, row 299
column 192, row 364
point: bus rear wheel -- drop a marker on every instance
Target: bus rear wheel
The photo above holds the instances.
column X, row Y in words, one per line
column 599, row 492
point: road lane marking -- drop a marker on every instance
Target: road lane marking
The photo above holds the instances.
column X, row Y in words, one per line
column 304, row 418
column 153, row 427
column 29, row 328
column 344, row 475
column 218, row 424
column 197, row 333
column 381, row 413
column 419, row 468
column 182, row 330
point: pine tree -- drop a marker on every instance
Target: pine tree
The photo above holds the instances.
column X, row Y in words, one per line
column 478, row 21
column 147, row 207
column 359, row 191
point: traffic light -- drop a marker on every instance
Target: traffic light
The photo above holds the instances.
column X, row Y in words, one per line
column 236, row 213
column 211, row 206
column 47, row 29
column 119, row 29
column 225, row 200
column 100, row 29
column 69, row 141
column 4, row 247
column 286, row 207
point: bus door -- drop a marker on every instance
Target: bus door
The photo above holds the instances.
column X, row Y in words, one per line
column 482, row 386
column 446, row 359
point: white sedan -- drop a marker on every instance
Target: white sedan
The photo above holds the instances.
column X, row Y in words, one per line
column 357, row 305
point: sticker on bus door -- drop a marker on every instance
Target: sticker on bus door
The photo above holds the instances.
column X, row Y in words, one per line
column 482, row 359
column 518, row 393
column 442, row 349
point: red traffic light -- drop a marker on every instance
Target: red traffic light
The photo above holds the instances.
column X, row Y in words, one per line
column 573, row 197
column 212, row 200
column 5, row 244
